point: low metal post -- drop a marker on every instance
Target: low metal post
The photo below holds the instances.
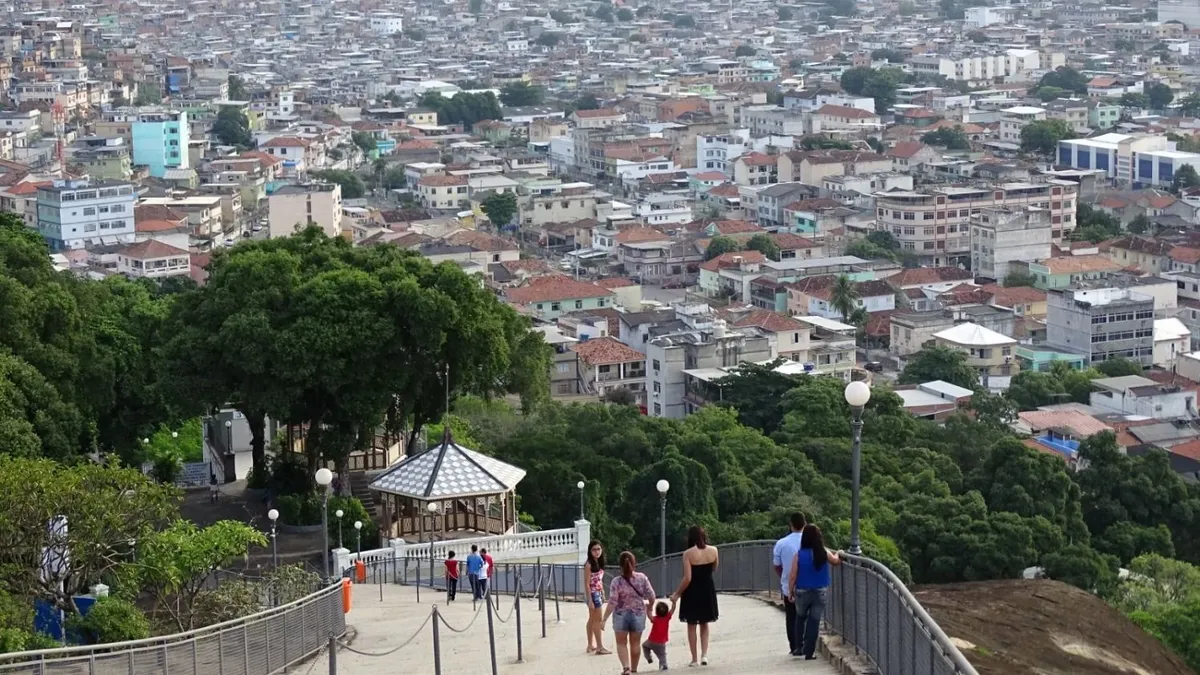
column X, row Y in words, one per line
column 131, row 672
column 195, row 657
column 166, row 660
column 491, row 632
column 437, row 643
column 520, row 647
column 380, row 579
column 332, row 655
column 245, row 647
column 542, row 604
column 557, row 609
column 418, row 581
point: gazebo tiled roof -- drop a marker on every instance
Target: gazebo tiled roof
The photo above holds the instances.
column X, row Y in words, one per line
column 446, row 471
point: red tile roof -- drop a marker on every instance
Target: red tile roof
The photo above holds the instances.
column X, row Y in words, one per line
column 845, row 111
column 286, row 142
column 769, row 321
column 906, row 150
column 551, row 288
column 920, row 276
column 151, row 248
column 606, row 350
column 726, row 260
column 442, row 181
column 598, row 112
column 758, row 159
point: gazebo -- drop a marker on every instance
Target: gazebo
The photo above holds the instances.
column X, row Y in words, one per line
column 446, row 490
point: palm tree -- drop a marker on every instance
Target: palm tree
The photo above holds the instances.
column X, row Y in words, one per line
column 380, row 166
column 843, row 297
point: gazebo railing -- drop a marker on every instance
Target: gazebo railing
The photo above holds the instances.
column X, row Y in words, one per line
column 546, row 544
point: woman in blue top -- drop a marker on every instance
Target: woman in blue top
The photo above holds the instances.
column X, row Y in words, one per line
column 809, row 581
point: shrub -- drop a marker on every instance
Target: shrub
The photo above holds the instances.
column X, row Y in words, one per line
column 111, row 620
column 302, row 509
column 353, row 510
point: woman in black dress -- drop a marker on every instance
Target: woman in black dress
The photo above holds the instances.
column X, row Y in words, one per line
column 697, row 595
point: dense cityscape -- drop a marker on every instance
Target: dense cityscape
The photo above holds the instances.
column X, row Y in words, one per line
column 404, row 274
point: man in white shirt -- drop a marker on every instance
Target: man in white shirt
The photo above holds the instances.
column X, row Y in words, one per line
column 786, row 550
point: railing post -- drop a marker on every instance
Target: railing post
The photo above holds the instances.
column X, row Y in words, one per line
column 542, row 601
column 245, row 646
column 557, row 610
column 437, row 642
column 517, row 609
column 854, row 609
column 130, row 665
column 418, row 581
column 332, row 655
column 491, row 631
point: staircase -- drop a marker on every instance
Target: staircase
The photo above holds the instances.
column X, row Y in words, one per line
column 358, row 489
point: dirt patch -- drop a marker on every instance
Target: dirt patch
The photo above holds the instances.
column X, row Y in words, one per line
column 1023, row 627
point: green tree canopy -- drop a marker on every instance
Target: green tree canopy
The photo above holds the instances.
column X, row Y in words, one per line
column 1158, row 95
column 463, row 108
column 1118, row 366
column 763, row 244
column 744, row 50
column 233, row 128
column 1065, row 78
column 1134, row 99
column 784, row 13
column 940, row 363
column 548, row 39
column 237, row 89
column 1043, row 136
column 364, row 141
column 720, row 245
column 951, row 138
column 1019, row 277
column 521, row 93
column 500, row 207
column 352, row 184
column 1186, row 177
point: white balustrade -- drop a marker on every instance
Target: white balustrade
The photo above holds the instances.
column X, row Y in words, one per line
column 542, row 543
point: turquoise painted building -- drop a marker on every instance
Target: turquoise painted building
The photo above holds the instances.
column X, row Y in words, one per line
column 1042, row 359
column 160, row 141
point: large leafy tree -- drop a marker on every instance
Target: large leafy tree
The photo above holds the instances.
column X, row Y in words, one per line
column 107, row 510
column 721, row 245
column 1042, row 136
column 174, row 565
column 232, row 127
column 765, row 245
column 940, row 363
column 500, row 208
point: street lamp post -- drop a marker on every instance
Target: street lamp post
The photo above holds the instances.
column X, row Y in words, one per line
column 857, row 395
column 339, row 513
column 273, row 515
column 580, row 485
column 229, row 436
column 324, row 478
column 358, row 533
column 662, row 486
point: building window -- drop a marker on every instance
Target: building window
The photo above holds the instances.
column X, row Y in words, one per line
column 657, row 409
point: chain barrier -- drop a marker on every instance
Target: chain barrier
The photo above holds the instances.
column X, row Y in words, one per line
column 466, row 628
column 316, row 657
column 393, row 650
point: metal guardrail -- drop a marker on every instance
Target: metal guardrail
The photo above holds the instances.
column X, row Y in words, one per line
column 868, row 606
column 259, row 644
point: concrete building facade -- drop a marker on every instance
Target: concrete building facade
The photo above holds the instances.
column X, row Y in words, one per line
column 1102, row 323
column 1003, row 236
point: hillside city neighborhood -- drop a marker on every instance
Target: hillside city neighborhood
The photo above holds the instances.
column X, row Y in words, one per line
column 667, row 195
column 673, row 195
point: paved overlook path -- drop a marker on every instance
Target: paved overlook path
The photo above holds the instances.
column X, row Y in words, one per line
column 747, row 640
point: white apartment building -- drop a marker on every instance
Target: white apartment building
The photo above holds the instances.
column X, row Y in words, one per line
column 1002, row 236
column 386, row 23
column 78, row 214
column 664, row 209
column 152, row 259
column 1013, row 64
column 1013, row 120
column 1112, row 153
column 978, row 17
column 706, row 344
column 294, row 207
column 716, row 153
column 935, row 225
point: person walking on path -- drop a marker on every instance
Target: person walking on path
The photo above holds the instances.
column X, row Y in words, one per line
column 660, row 632
column 697, row 594
column 785, row 550
column 593, row 571
column 485, row 572
column 451, row 577
column 809, row 580
column 629, row 599
column 474, row 565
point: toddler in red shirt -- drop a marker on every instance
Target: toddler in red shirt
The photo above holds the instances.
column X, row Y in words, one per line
column 660, row 632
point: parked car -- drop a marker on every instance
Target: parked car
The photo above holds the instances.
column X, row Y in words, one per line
column 873, row 366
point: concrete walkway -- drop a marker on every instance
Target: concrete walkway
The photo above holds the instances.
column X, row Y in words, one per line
column 747, row 639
